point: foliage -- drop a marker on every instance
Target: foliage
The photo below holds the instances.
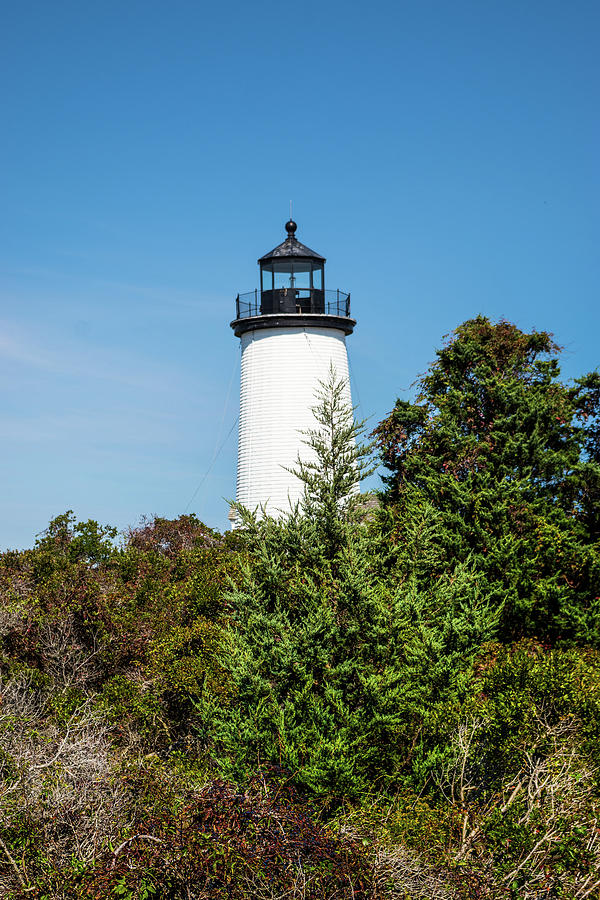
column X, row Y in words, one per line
column 105, row 649
column 339, row 661
column 508, row 456
column 225, row 843
column 333, row 463
column 395, row 702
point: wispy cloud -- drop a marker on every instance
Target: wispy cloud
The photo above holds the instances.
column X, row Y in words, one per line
column 163, row 298
column 101, row 429
column 16, row 349
column 56, row 355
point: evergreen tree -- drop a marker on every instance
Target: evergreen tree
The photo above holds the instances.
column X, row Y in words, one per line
column 340, row 657
column 508, row 456
column 338, row 460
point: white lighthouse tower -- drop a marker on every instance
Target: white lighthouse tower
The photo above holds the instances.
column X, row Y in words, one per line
column 293, row 331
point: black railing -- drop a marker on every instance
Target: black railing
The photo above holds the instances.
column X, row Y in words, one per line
column 292, row 301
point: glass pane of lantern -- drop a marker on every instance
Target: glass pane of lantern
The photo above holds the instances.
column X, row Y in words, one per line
column 301, row 275
column 318, row 279
column 282, row 276
column 267, row 280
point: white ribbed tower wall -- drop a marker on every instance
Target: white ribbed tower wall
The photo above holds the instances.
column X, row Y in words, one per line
column 280, row 375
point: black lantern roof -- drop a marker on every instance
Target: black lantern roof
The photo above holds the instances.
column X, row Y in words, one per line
column 291, row 247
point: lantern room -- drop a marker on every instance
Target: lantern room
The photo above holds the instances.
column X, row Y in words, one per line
column 292, row 292
column 292, row 278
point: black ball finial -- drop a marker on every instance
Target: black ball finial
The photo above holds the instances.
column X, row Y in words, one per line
column 290, row 227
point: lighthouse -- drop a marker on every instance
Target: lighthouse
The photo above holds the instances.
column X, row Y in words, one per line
column 293, row 333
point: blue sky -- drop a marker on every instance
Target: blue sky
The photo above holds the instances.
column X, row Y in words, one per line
column 442, row 156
